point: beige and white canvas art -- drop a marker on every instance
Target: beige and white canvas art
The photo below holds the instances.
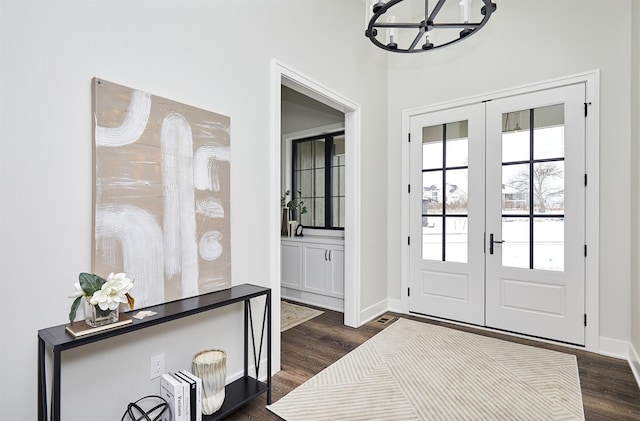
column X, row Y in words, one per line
column 162, row 194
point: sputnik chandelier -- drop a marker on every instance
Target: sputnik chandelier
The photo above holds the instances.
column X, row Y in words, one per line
column 383, row 30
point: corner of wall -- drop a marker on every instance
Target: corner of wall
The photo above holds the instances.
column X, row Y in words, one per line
column 614, row 348
column 634, row 363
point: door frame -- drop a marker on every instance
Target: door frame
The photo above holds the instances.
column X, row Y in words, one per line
column 591, row 80
column 282, row 74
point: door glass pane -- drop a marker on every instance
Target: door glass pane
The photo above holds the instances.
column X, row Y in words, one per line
column 515, row 136
column 548, row 244
column 432, row 192
column 515, row 249
column 456, row 191
column 432, row 147
column 457, row 144
column 548, row 185
column 515, row 189
column 548, row 136
column 432, row 155
column 456, row 240
column 432, row 238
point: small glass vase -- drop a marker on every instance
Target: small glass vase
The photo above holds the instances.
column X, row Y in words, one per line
column 94, row 316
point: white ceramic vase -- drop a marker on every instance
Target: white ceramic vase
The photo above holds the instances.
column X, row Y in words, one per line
column 211, row 367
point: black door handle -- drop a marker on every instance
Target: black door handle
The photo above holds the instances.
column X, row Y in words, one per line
column 491, row 241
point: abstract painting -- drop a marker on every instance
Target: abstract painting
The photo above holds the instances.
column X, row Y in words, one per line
column 162, row 194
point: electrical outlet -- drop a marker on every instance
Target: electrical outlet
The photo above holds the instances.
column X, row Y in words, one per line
column 157, row 366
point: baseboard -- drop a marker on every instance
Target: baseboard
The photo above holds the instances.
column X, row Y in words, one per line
column 634, row 363
column 395, row 305
column 614, row 348
column 262, row 376
column 373, row 311
column 304, row 297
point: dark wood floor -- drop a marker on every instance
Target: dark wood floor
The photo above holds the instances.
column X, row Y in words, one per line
column 609, row 390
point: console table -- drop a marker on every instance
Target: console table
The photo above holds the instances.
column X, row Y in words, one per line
column 237, row 393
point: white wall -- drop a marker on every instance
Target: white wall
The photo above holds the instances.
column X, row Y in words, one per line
column 635, row 189
column 214, row 55
column 527, row 41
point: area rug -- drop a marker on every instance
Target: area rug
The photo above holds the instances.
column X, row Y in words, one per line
column 418, row 371
column 292, row 315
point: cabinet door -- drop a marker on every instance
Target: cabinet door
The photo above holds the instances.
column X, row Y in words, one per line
column 315, row 268
column 291, row 265
column 336, row 271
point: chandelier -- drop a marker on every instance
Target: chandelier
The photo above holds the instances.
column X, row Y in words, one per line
column 429, row 31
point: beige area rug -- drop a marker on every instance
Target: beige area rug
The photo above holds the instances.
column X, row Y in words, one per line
column 418, row 371
column 292, row 315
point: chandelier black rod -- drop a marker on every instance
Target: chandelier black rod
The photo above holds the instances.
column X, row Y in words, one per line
column 436, row 9
column 423, row 25
column 417, row 39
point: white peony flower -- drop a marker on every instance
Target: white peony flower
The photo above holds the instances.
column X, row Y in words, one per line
column 112, row 292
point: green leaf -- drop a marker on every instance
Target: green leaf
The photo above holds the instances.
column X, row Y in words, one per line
column 90, row 283
column 74, row 309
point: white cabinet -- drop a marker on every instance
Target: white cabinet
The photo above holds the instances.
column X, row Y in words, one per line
column 291, row 264
column 323, row 269
column 313, row 271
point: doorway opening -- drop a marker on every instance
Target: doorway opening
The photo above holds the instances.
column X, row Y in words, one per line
column 285, row 78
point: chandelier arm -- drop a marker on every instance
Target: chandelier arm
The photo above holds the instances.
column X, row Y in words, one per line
column 436, row 10
column 416, row 40
column 420, row 25
column 456, row 25
column 397, row 25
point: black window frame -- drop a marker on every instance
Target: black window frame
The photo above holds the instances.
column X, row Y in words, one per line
column 328, row 177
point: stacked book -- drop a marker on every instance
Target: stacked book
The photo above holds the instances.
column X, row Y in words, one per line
column 183, row 392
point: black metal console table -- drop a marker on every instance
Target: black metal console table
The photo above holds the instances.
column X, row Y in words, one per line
column 237, row 393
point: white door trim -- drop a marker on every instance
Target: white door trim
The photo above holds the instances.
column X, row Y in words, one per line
column 592, row 281
column 285, row 75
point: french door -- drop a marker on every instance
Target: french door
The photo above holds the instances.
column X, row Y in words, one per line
column 497, row 214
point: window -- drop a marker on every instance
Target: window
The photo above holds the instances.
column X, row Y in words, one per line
column 533, row 188
column 318, row 179
column 445, row 186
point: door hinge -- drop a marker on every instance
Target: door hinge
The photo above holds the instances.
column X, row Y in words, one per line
column 585, row 179
column 586, row 108
column 585, row 319
column 408, row 241
column 409, row 188
column 409, row 292
column 409, row 137
column 585, row 250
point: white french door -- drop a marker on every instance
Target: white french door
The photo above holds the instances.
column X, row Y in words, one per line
column 447, row 214
column 498, row 214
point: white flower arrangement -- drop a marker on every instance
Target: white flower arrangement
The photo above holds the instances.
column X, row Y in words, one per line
column 107, row 294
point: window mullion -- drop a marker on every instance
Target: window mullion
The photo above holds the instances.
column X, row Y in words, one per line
column 328, row 188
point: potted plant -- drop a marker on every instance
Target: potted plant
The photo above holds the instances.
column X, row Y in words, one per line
column 288, row 207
